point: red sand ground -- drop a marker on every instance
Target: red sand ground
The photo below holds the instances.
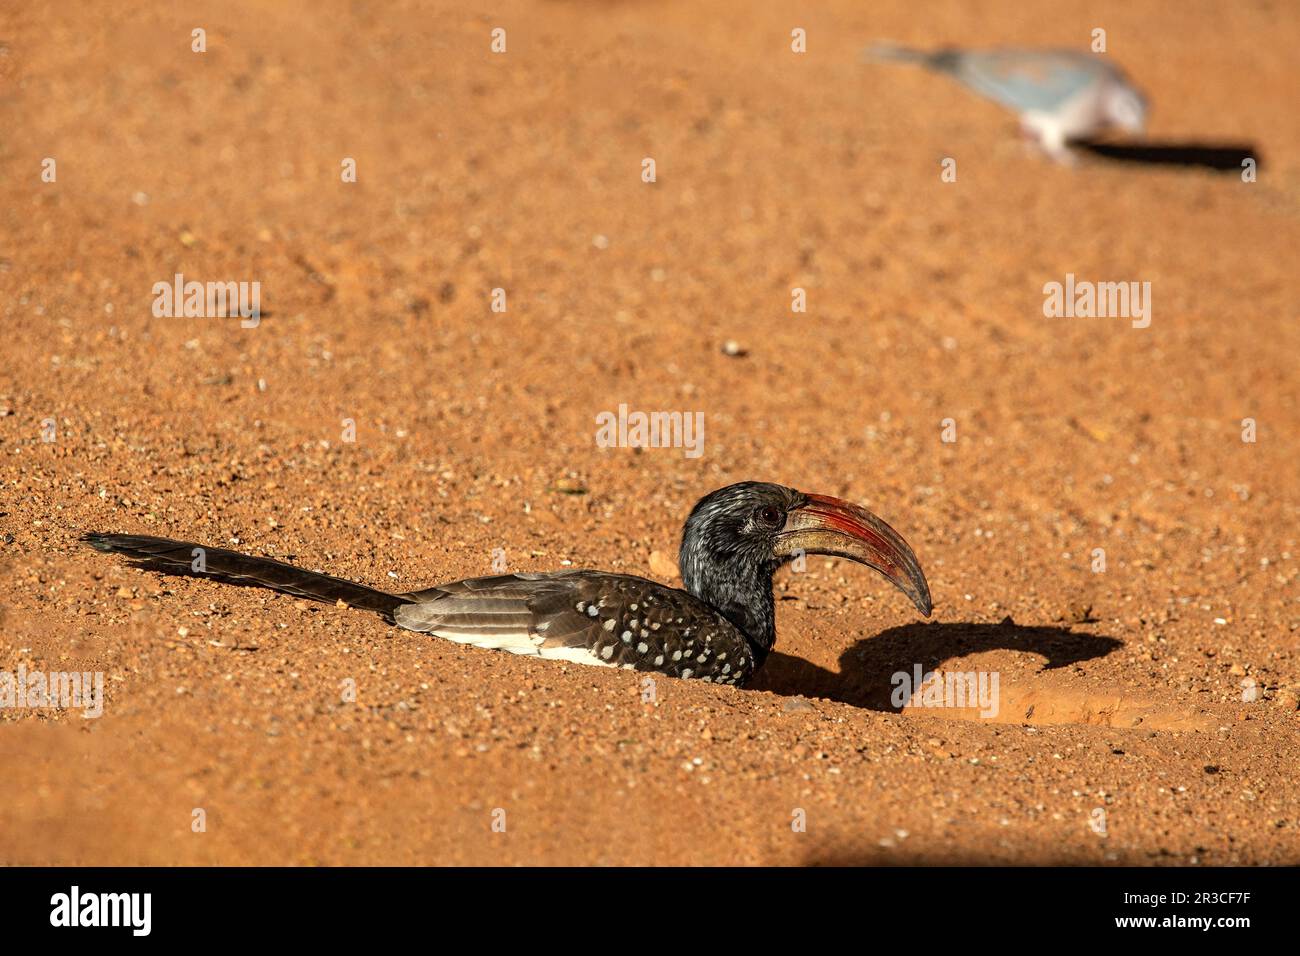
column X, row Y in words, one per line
column 522, row 171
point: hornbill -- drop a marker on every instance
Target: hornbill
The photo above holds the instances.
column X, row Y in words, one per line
column 720, row 628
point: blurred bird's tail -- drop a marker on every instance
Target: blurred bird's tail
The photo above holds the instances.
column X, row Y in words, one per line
column 894, row 53
column 168, row 556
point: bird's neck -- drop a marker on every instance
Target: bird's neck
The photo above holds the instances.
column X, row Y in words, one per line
column 745, row 599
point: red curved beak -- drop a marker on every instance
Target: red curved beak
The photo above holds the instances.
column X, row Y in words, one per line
column 833, row 526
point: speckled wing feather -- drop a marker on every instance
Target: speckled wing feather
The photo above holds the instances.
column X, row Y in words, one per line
column 587, row 617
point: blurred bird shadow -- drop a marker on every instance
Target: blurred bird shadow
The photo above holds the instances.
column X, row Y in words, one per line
column 1222, row 157
column 866, row 668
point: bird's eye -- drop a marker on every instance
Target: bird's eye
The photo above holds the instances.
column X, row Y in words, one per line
column 769, row 516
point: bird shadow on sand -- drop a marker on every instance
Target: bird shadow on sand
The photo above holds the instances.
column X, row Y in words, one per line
column 1223, row 157
column 866, row 669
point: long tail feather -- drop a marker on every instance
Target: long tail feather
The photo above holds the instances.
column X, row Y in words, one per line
column 168, row 556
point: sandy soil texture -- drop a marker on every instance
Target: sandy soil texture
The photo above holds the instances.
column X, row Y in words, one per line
column 1148, row 711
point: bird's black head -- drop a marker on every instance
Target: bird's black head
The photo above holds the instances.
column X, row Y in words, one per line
column 737, row 536
column 736, row 526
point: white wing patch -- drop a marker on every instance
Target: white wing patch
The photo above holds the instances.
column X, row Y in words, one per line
column 522, row 643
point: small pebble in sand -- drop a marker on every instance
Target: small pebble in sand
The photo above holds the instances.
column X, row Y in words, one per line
column 1078, row 612
column 662, row 565
column 1288, row 698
